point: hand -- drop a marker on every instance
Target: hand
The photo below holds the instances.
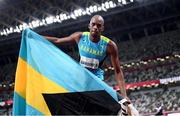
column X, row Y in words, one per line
column 125, row 97
column 132, row 110
column 128, row 100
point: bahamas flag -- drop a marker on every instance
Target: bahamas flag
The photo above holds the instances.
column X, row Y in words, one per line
column 50, row 82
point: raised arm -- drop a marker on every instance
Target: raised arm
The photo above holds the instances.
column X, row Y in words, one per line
column 113, row 53
column 73, row 38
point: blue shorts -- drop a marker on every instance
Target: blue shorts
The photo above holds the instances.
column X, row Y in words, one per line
column 98, row 72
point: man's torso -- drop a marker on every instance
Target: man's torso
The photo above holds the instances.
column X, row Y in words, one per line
column 92, row 54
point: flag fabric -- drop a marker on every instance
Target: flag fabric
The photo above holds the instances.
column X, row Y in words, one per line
column 97, row 102
column 44, row 69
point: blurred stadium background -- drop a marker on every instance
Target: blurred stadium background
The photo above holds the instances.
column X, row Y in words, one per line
column 147, row 33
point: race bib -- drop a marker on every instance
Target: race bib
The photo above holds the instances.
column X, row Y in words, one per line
column 89, row 62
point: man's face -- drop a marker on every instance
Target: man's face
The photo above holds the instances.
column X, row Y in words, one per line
column 96, row 26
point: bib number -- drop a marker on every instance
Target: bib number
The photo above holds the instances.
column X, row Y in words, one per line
column 89, row 62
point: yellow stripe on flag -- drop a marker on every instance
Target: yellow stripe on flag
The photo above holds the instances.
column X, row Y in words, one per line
column 21, row 72
column 30, row 80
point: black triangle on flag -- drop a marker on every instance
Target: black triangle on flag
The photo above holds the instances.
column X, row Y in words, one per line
column 82, row 103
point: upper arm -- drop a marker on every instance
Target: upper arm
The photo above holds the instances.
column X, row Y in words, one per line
column 112, row 51
column 73, row 38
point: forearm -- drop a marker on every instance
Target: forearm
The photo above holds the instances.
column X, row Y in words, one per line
column 52, row 39
column 121, row 83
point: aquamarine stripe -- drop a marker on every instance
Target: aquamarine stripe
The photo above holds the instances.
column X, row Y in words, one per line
column 19, row 105
column 52, row 63
column 23, row 50
column 21, row 108
column 32, row 111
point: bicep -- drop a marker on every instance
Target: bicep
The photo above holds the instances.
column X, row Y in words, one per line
column 73, row 38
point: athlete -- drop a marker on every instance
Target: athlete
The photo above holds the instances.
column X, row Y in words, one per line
column 93, row 50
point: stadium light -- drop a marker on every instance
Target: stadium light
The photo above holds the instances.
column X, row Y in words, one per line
column 177, row 55
column 66, row 16
column 167, row 57
column 106, row 4
column 122, row 1
column 4, row 85
column 162, row 59
column 149, row 60
column 144, row 62
column 95, row 8
column 49, row 20
column 84, row 13
column 137, row 64
column 105, row 69
column 109, row 68
column 112, row 68
column 78, row 12
column 91, row 9
column 73, row 16
column 99, row 8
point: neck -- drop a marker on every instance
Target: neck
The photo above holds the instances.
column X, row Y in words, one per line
column 95, row 38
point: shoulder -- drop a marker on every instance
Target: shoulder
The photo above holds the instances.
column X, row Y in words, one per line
column 106, row 39
column 111, row 45
column 77, row 34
